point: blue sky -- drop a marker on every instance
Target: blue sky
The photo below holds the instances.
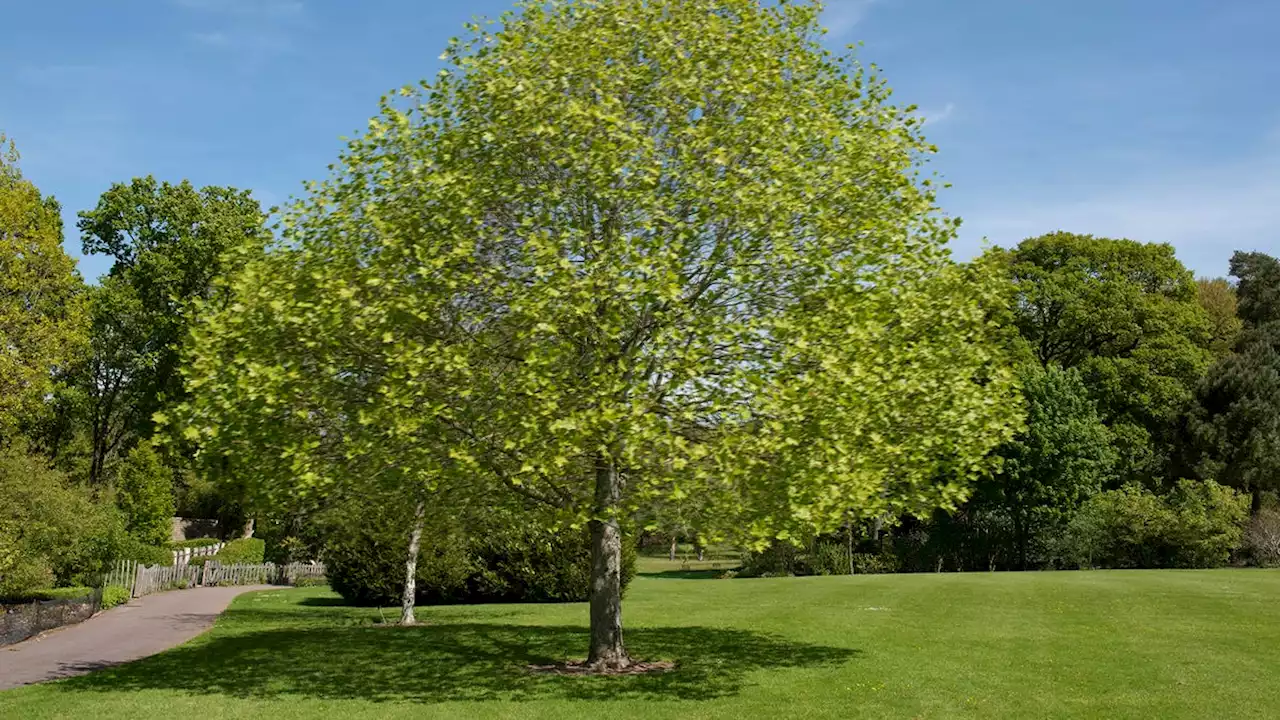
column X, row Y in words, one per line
column 1158, row 121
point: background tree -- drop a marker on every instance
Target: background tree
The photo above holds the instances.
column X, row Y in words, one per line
column 1125, row 314
column 1235, row 424
column 169, row 242
column 618, row 251
column 1062, row 458
column 144, row 492
column 42, row 319
column 1218, row 298
column 1258, row 287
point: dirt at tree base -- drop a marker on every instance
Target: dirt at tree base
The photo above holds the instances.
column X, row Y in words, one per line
column 581, row 668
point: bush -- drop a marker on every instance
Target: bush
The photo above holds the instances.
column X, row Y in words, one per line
column 194, row 543
column 1198, row 524
column 249, row 551
column 144, row 554
column 310, row 582
column 1262, row 538
column 51, row 530
column 824, row 556
column 145, row 496
column 779, row 559
column 113, row 595
column 44, row 594
column 365, row 555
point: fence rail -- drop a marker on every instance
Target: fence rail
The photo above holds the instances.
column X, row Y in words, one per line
column 141, row 580
column 182, row 556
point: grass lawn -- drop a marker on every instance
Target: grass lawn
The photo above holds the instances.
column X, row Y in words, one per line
column 1140, row 644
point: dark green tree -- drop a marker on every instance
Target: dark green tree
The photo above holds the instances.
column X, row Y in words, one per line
column 1235, row 423
column 1126, row 315
column 144, row 492
column 1062, row 458
column 1258, row 287
column 169, row 243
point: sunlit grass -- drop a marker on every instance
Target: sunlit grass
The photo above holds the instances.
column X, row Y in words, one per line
column 1140, row 644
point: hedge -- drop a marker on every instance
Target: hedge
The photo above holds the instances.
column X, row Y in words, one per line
column 366, row 566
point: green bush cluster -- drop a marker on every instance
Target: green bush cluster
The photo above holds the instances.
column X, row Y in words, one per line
column 248, row 551
column 1198, row 524
column 824, row 556
column 194, row 543
column 52, row 531
column 113, row 595
column 365, row 564
column 61, row 593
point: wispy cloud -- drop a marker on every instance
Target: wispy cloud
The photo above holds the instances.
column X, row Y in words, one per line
column 841, row 16
column 258, row 8
column 935, row 116
column 1204, row 211
column 254, row 29
column 212, row 39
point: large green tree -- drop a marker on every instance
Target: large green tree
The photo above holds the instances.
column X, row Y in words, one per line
column 620, row 250
column 1258, row 287
column 42, row 317
column 168, row 242
column 1236, row 421
column 1126, row 315
column 1218, row 298
column 1060, row 460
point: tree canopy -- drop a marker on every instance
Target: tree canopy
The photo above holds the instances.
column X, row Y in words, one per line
column 619, row 250
column 1236, row 422
column 1126, row 315
column 42, row 317
column 1218, row 298
column 169, row 242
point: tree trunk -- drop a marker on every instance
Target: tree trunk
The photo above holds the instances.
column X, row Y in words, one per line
column 673, row 548
column 1255, row 502
column 607, row 651
column 411, row 566
column 849, row 530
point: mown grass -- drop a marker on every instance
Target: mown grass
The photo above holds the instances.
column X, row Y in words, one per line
column 1140, row 644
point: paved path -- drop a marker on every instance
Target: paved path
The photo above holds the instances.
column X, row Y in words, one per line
column 142, row 627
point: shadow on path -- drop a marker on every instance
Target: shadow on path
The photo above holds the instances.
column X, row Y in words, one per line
column 464, row 661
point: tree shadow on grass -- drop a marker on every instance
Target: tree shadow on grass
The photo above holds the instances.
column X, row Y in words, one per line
column 686, row 574
column 455, row 662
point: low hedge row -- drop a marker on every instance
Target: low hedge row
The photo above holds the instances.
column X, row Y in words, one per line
column 366, row 566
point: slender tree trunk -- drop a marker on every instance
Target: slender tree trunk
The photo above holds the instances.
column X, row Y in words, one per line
column 411, row 566
column 673, row 548
column 849, row 531
column 607, row 651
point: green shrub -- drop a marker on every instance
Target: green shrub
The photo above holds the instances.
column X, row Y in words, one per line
column 52, row 531
column 194, row 543
column 113, row 595
column 779, row 559
column 1198, row 524
column 144, row 554
column 365, row 554
column 66, row 593
column 249, row 551
column 310, row 582
column 875, row 563
column 827, row 555
column 145, row 496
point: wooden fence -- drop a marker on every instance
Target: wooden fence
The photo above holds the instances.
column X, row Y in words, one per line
column 185, row 555
column 141, row 580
